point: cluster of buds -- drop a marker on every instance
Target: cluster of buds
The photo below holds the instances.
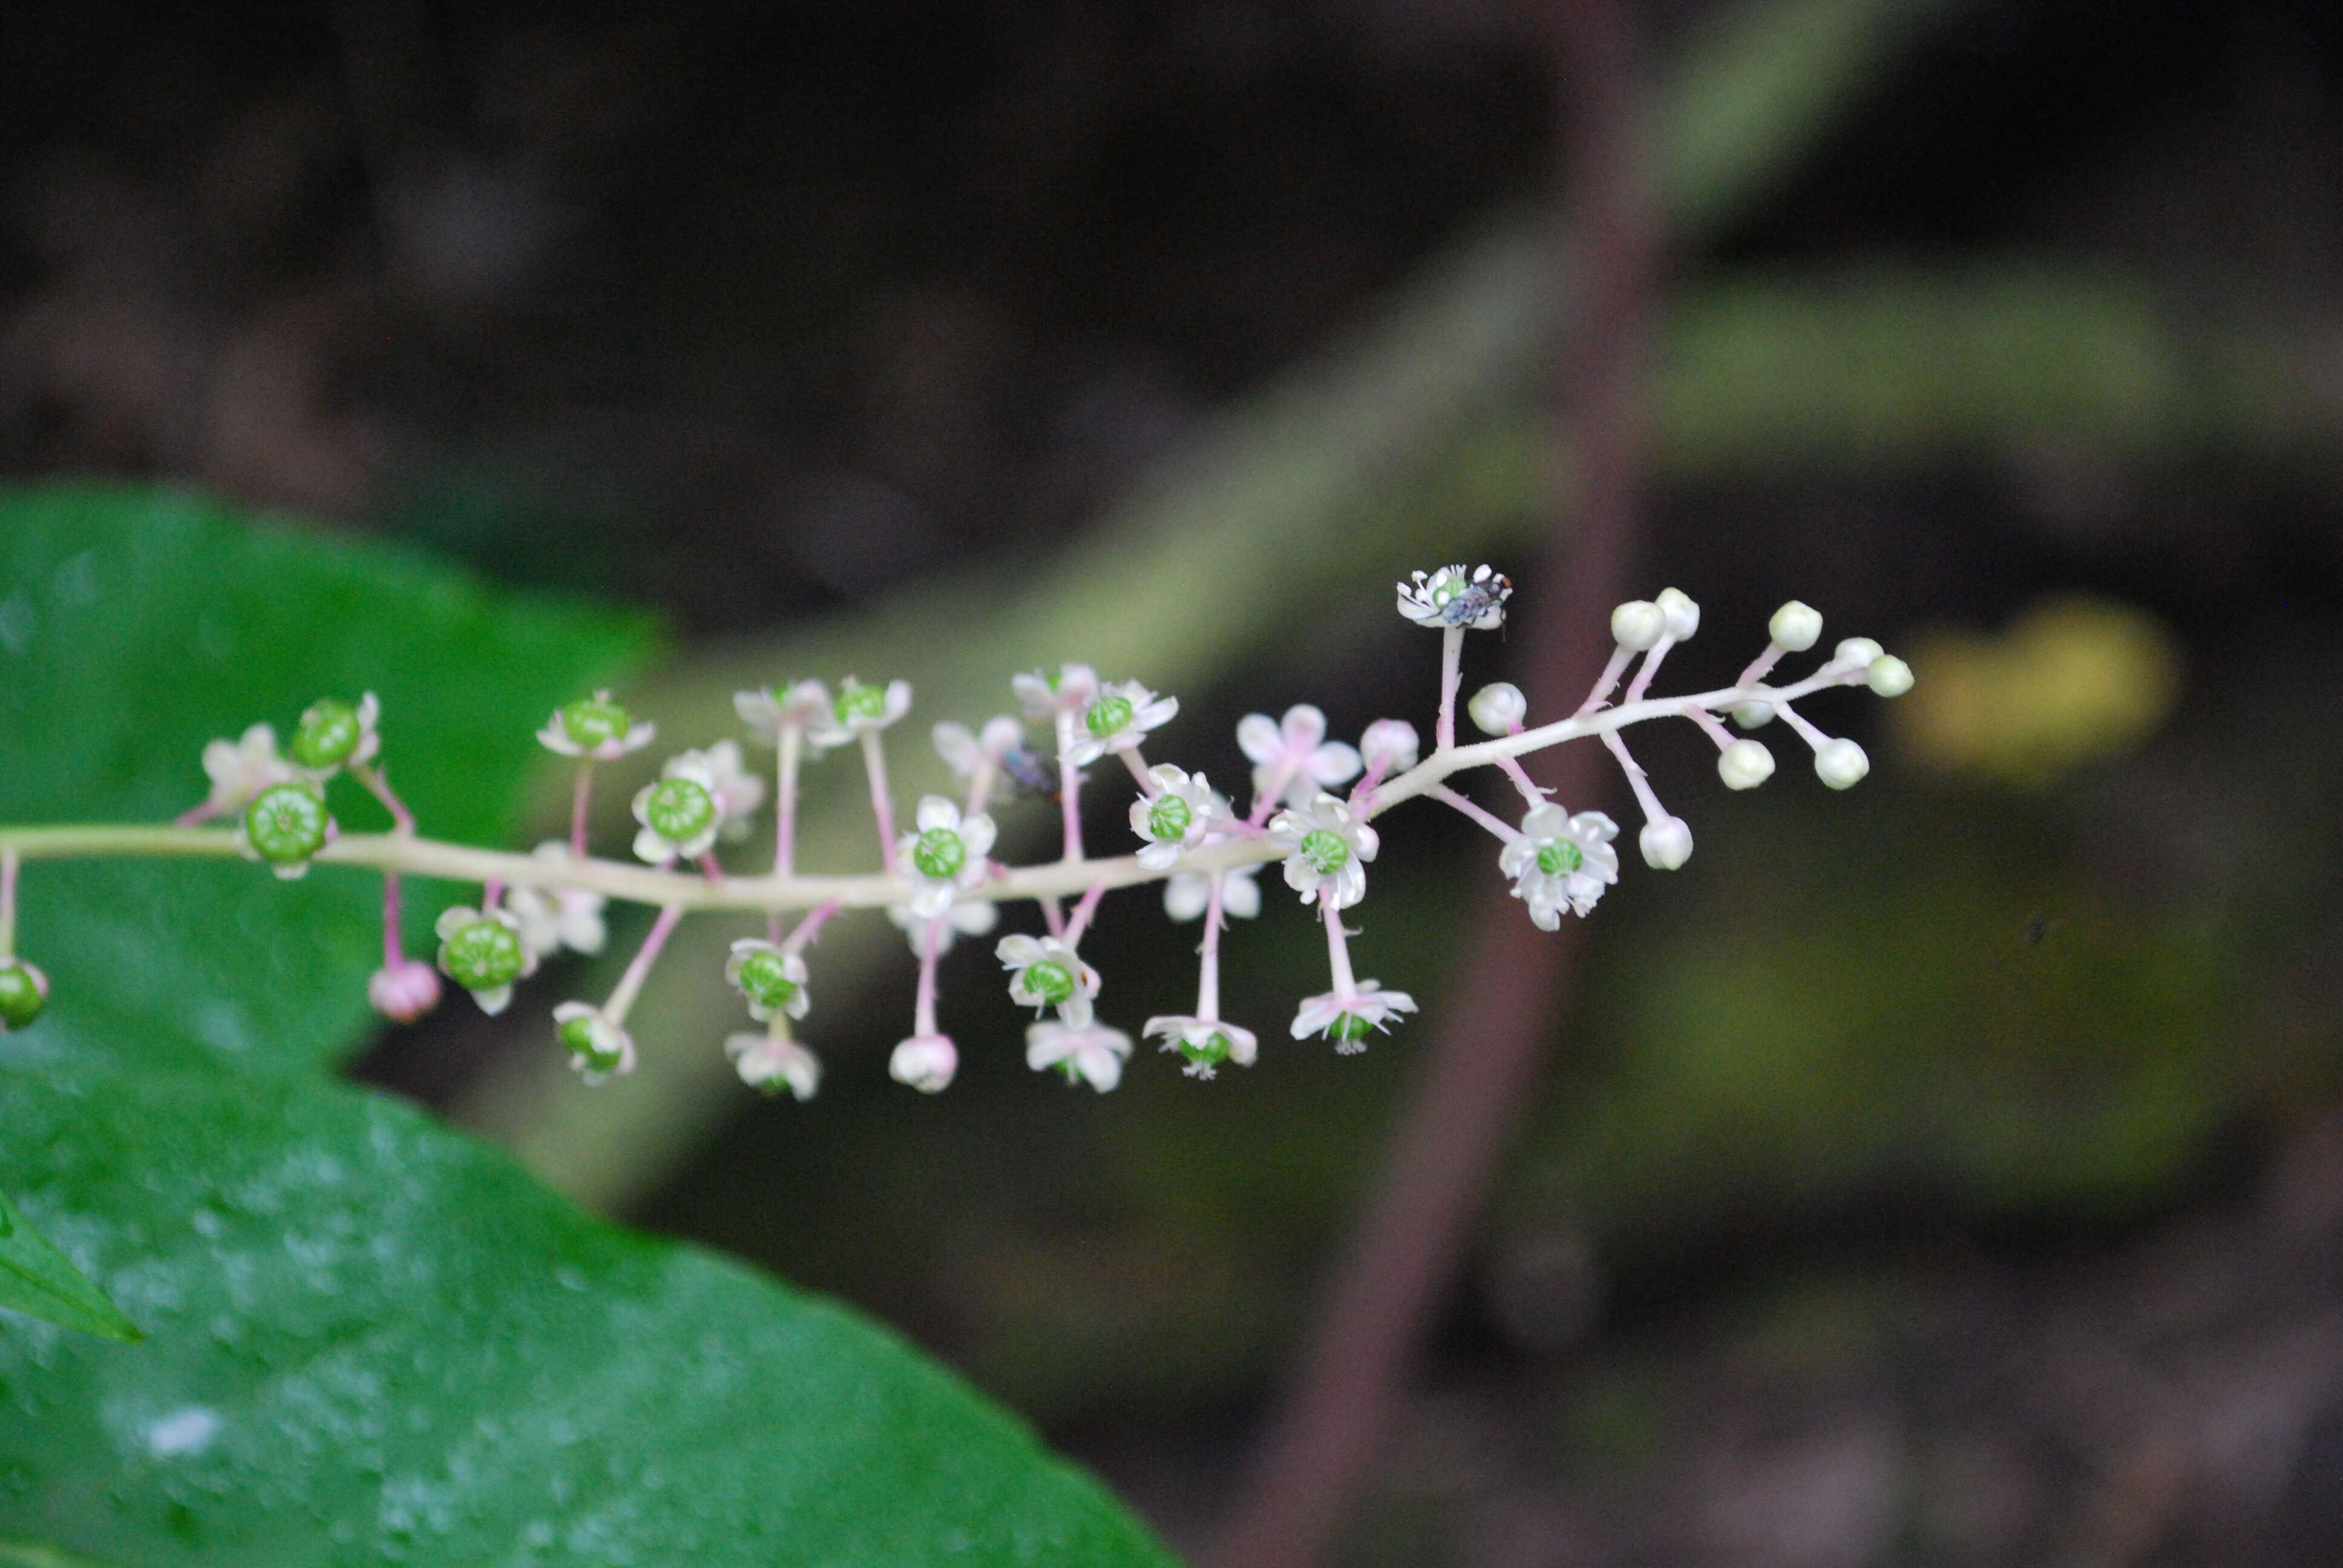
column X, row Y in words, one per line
column 1313, row 802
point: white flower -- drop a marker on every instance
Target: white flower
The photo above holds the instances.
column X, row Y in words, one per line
column 769, row 979
column 1117, row 719
column 1293, row 749
column 1080, row 1047
column 680, row 814
column 1206, row 1042
column 1186, row 895
column 965, row 752
column 738, row 792
column 960, row 921
column 596, row 728
column 945, row 855
column 1390, row 746
column 768, row 710
column 1172, row 819
column 1045, row 972
column 1349, row 1016
column 599, row 1049
column 555, row 918
column 857, row 710
column 1326, row 851
column 1561, row 861
column 773, row 1063
column 1044, row 695
column 239, row 769
column 924, row 1061
column 1450, row 597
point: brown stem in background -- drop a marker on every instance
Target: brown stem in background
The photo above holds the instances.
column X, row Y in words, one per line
column 1402, row 1261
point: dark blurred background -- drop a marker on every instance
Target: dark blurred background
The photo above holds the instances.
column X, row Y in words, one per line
column 1950, row 1172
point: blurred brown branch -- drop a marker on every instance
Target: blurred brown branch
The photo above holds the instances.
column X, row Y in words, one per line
column 1323, row 1441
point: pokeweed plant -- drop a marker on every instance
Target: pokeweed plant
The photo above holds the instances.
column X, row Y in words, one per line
column 936, row 877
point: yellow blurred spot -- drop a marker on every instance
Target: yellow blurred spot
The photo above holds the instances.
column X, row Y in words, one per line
column 2072, row 680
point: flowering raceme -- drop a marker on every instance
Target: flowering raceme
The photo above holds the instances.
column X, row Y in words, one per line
column 1315, row 810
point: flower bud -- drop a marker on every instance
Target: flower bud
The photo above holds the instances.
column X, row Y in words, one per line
column 1390, row 745
column 24, row 992
column 1857, row 651
column 1753, row 715
column 924, row 1061
column 1841, row 764
column 285, row 825
column 1683, row 615
column 1638, row 624
column 404, row 991
column 1744, row 765
column 1797, row 626
column 1497, row 707
column 1666, row 843
column 1889, row 676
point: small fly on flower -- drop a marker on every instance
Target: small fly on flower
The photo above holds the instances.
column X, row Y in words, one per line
column 1028, row 772
column 1477, row 599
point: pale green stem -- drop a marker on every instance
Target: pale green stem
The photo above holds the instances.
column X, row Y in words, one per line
column 646, row 885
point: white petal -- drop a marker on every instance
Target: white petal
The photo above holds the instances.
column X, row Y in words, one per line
column 1260, row 739
column 936, row 812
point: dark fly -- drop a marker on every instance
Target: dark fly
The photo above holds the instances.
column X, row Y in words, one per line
column 1477, row 599
column 1028, row 772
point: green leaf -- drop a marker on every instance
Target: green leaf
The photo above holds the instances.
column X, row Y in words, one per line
column 136, row 625
column 37, row 1279
column 370, row 1339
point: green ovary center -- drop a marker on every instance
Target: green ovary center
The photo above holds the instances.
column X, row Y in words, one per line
column 1350, row 1026
column 1443, row 592
column 1169, row 819
column 940, row 853
column 1559, row 858
column 765, row 980
column 328, row 733
column 1215, row 1050
column 680, row 809
column 1050, row 982
column 483, row 956
column 589, row 723
column 861, row 702
column 1325, row 851
column 577, row 1034
column 285, row 822
column 1107, row 714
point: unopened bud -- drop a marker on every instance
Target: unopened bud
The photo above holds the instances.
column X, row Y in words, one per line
column 1753, row 715
column 1841, row 764
column 1683, row 615
column 404, row 991
column 1857, row 651
column 1666, row 843
column 1497, row 707
column 924, row 1061
column 1390, row 745
column 1744, row 765
column 1638, row 624
column 1797, row 626
column 1889, row 676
